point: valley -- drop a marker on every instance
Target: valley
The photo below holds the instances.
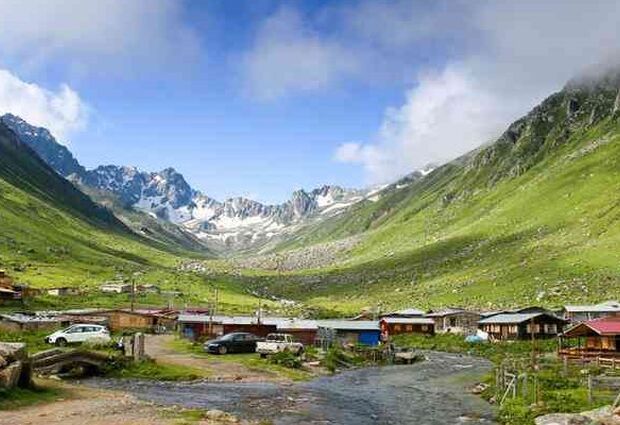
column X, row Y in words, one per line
column 532, row 217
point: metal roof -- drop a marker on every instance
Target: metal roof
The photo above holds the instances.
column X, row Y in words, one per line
column 410, row 320
column 450, row 311
column 514, row 318
column 349, row 325
column 606, row 307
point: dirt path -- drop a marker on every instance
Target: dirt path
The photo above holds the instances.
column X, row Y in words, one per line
column 158, row 347
column 89, row 406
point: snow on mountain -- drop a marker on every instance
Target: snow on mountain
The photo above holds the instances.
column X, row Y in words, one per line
column 236, row 222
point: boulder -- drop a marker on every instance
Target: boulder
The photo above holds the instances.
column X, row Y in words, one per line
column 10, row 376
column 13, row 351
column 3, row 362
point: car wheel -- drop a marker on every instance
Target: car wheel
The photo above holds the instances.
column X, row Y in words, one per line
column 263, row 355
column 222, row 349
column 300, row 351
column 61, row 342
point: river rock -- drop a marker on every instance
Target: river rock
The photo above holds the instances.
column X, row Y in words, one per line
column 220, row 416
column 12, row 351
column 10, row 375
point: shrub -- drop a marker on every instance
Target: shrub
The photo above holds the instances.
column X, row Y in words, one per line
column 286, row 359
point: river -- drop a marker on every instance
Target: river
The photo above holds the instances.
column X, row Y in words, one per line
column 433, row 392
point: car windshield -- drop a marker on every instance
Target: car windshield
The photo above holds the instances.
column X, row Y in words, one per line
column 276, row 337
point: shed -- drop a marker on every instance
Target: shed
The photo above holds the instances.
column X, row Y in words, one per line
column 581, row 313
column 514, row 326
column 120, row 320
column 115, row 287
column 366, row 332
column 402, row 325
column 455, row 320
column 63, row 291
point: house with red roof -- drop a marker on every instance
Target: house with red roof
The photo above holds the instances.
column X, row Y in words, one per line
column 593, row 338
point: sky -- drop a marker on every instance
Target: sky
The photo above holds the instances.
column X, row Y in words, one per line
column 258, row 98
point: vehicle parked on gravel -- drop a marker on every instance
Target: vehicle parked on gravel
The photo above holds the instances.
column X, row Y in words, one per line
column 79, row 333
column 278, row 343
column 236, row 342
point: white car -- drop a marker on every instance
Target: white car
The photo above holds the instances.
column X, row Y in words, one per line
column 79, row 333
column 278, row 343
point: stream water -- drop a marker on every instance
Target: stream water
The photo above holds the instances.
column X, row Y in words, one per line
column 433, row 392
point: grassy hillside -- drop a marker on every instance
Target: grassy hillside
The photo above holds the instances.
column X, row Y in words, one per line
column 532, row 218
column 51, row 234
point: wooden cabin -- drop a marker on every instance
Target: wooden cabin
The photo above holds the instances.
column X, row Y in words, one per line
column 593, row 338
column 405, row 313
column 455, row 320
column 407, row 325
column 521, row 326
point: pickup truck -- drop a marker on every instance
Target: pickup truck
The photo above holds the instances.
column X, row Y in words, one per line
column 278, row 343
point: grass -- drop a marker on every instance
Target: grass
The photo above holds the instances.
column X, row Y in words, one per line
column 149, row 369
column 34, row 340
column 19, row 397
column 250, row 360
column 496, row 352
column 547, row 236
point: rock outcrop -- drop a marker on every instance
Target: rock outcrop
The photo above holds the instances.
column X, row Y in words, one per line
column 15, row 368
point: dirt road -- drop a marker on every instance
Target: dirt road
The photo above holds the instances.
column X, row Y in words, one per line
column 158, row 347
column 89, row 406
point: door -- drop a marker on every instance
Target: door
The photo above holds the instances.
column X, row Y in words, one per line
column 75, row 334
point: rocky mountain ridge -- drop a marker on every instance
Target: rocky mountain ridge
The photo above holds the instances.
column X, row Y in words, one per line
column 235, row 223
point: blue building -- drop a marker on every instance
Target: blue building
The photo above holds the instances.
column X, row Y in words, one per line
column 366, row 332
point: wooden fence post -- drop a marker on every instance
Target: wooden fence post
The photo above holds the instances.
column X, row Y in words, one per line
column 589, row 388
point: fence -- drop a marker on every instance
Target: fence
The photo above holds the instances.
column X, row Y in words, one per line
column 544, row 379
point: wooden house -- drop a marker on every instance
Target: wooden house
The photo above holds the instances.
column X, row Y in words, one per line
column 455, row 320
column 115, row 288
column 593, row 338
column 519, row 326
column 127, row 320
column 403, row 325
column 582, row 313
column 203, row 326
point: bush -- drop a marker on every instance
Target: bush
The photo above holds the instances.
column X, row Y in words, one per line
column 286, row 359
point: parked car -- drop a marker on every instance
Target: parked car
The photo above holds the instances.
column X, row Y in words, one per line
column 79, row 333
column 236, row 342
column 277, row 343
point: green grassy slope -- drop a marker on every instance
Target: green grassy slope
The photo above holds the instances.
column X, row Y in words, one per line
column 51, row 234
column 533, row 218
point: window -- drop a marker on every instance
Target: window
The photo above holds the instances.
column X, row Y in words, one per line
column 397, row 328
column 409, row 328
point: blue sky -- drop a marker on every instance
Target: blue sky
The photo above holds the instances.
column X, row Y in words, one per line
column 258, row 98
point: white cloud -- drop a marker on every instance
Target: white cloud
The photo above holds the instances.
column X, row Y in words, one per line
column 288, row 56
column 96, row 36
column 445, row 114
column 62, row 111
column 523, row 52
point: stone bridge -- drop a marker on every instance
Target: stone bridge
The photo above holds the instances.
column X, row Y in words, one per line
column 56, row 360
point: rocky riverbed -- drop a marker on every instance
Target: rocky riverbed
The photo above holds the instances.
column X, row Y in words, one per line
column 434, row 392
